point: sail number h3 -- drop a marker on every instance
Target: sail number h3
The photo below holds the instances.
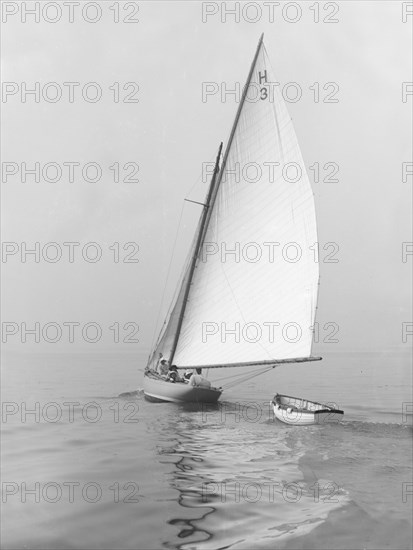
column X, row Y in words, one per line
column 262, row 77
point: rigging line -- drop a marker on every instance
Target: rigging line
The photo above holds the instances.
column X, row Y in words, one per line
column 241, row 381
column 231, row 376
column 199, row 236
column 198, row 180
column 156, row 329
column 249, row 377
column 167, row 276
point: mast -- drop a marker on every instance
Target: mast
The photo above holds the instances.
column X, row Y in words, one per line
column 196, row 252
column 237, row 116
column 231, row 137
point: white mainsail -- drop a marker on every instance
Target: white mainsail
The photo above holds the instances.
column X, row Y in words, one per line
column 253, row 293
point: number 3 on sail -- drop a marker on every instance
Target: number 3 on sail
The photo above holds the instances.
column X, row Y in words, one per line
column 262, row 77
column 239, row 210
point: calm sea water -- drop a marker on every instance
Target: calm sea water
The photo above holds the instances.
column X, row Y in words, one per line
column 95, row 466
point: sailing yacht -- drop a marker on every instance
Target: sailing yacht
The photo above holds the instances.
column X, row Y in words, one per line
column 253, row 308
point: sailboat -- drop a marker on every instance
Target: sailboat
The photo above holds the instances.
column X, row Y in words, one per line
column 248, row 293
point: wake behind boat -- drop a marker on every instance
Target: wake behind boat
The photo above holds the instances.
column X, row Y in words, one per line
column 301, row 412
column 250, row 299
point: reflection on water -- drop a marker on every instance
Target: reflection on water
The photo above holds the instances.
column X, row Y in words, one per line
column 263, row 484
column 219, row 476
column 189, row 497
column 228, row 474
column 184, row 454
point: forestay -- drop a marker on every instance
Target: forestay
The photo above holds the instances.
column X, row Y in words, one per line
column 169, row 329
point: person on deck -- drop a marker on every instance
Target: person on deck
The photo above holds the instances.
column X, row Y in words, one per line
column 198, row 380
column 187, row 375
column 173, row 375
column 164, row 368
column 158, row 364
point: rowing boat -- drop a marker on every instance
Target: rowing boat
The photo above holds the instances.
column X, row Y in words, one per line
column 302, row 412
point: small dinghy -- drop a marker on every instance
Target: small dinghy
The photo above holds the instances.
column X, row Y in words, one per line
column 301, row 412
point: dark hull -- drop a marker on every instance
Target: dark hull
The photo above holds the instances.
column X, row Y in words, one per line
column 161, row 391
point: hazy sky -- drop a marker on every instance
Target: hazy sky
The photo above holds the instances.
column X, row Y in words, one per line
column 169, row 53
